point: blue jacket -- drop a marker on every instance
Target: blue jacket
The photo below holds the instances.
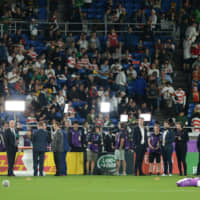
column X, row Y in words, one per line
column 65, row 141
column 40, row 140
column 139, row 86
column 169, row 138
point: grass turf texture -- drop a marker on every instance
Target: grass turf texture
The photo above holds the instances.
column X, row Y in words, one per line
column 96, row 187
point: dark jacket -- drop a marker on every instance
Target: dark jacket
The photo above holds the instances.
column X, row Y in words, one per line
column 65, row 141
column 137, row 136
column 169, row 138
column 57, row 141
column 198, row 143
column 40, row 140
column 184, row 139
column 10, row 140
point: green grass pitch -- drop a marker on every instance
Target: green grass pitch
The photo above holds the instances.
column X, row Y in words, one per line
column 96, row 187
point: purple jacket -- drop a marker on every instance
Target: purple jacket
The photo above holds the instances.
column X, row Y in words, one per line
column 155, row 140
column 95, row 140
column 76, row 138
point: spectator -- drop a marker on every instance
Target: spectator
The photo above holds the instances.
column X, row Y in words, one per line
column 179, row 100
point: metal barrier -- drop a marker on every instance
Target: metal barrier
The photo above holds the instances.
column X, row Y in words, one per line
column 78, row 27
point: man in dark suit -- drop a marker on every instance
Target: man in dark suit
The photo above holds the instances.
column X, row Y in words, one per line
column 167, row 148
column 40, row 141
column 57, row 147
column 11, row 141
column 139, row 145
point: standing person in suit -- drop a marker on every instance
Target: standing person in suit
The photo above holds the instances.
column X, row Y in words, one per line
column 167, row 148
column 48, row 133
column 198, row 146
column 57, row 147
column 11, row 142
column 139, row 144
column 181, row 139
column 40, row 142
column 65, row 146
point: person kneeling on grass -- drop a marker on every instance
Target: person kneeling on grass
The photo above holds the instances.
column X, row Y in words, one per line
column 186, row 182
column 154, row 142
column 120, row 149
column 94, row 142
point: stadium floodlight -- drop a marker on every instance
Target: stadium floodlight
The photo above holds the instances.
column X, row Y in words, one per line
column 66, row 108
column 146, row 117
column 14, row 106
column 123, row 118
column 105, row 107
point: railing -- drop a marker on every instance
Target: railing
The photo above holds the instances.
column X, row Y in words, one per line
column 77, row 27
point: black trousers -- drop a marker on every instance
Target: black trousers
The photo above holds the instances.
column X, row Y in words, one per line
column 11, row 161
column 167, row 158
column 198, row 168
column 140, row 151
column 181, row 158
column 38, row 158
column 58, row 162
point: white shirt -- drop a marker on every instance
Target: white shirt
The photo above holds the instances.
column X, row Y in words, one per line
column 121, row 79
column 164, row 136
column 142, row 133
column 167, row 92
column 14, row 78
column 20, row 58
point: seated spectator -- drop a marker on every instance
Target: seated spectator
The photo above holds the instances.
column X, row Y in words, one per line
column 140, row 47
column 91, row 117
column 145, row 63
column 116, row 67
column 179, row 100
column 196, row 73
column 121, row 80
column 182, row 119
column 94, row 42
column 72, row 49
column 167, row 94
column 69, row 40
column 99, row 120
column 131, row 73
column 112, row 41
column 197, row 62
column 20, row 57
column 20, row 87
column 33, row 29
column 196, row 120
column 60, row 99
column 153, row 19
column 50, row 72
column 83, row 43
column 159, row 45
column 32, row 53
column 195, row 96
column 154, row 70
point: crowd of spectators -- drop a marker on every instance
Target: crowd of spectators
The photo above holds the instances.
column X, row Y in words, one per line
column 133, row 72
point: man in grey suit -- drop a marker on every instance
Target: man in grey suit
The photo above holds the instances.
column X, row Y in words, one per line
column 40, row 141
column 57, row 147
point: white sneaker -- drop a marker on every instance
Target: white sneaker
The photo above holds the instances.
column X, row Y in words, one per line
column 124, row 174
column 164, row 175
column 170, row 174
